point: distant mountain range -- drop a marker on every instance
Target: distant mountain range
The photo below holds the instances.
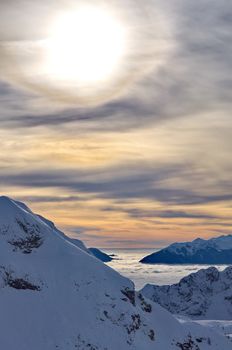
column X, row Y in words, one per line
column 206, row 294
column 56, row 296
column 200, row 251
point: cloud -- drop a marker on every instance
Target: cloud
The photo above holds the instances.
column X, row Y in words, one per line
column 50, row 199
column 194, row 79
column 140, row 242
column 162, row 141
column 107, row 117
column 23, row 51
column 128, row 183
column 80, row 230
column 168, row 214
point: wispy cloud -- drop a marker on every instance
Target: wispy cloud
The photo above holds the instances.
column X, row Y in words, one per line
column 159, row 146
column 168, row 214
column 193, row 79
column 128, row 182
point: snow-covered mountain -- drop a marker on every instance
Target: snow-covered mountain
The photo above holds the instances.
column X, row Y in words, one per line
column 206, row 294
column 55, row 296
column 100, row 255
column 92, row 251
column 80, row 245
column 200, row 251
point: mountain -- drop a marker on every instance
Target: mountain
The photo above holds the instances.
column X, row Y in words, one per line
column 206, row 294
column 92, row 251
column 55, row 296
column 213, row 251
column 100, row 255
column 80, row 245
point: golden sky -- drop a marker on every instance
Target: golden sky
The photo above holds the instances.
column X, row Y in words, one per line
column 136, row 157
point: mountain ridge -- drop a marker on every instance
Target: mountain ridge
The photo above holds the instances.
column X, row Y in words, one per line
column 205, row 294
column 217, row 250
column 55, row 296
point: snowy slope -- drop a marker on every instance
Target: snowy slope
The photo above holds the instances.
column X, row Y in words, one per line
column 213, row 251
column 55, row 296
column 92, row 251
column 206, row 294
column 221, row 326
column 97, row 253
column 80, row 245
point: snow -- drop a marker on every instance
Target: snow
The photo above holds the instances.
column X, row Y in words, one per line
column 80, row 245
column 100, row 255
column 213, row 251
column 206, row 294
column 97, row 253
column 55, row 295
column 221, row 326
column 222, row 242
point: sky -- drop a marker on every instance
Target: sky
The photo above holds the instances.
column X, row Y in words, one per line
column 138, row 158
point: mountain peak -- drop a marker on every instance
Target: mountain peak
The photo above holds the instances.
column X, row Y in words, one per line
column 55, row 296
column 205, row 294
column 5, row 200
column 216, row 250
column 7, row 204
column 21, row 230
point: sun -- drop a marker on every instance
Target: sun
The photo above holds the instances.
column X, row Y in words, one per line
column 85, row 46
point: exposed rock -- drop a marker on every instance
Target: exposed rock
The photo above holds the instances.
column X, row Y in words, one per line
column 204, row 294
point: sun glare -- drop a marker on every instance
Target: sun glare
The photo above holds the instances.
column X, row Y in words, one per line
column 85, row 46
